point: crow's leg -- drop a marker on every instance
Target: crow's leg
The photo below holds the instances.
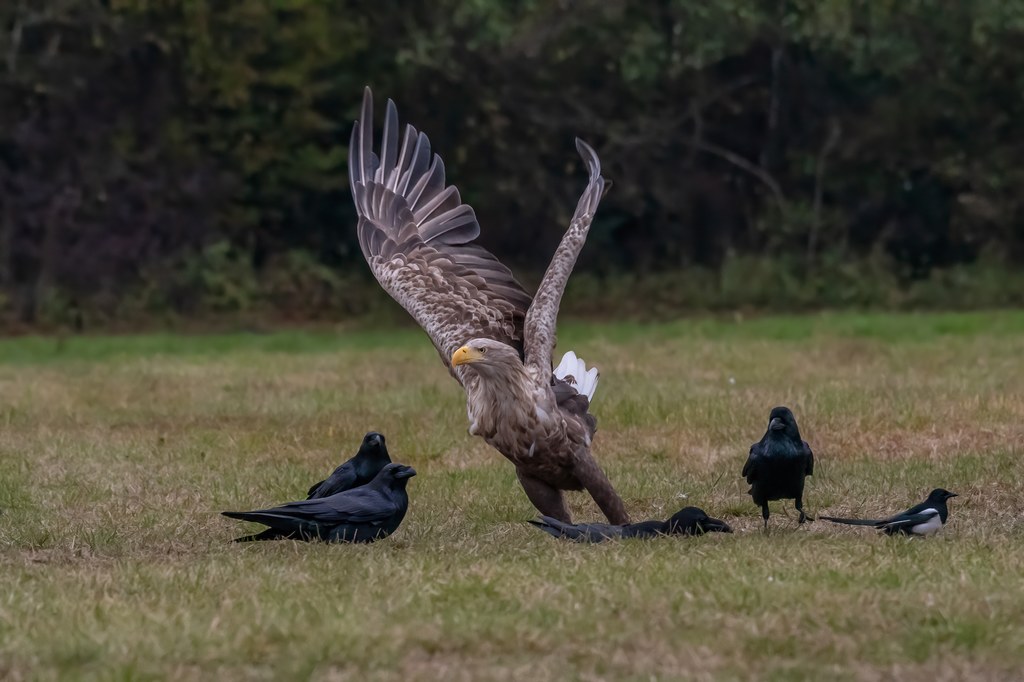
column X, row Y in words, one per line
column 765, row 514
column 800, row 508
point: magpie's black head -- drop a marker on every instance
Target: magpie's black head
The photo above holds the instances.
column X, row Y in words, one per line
column 940, row 495
column 373, row 445
column 693, row 521
column 394, row 475
column 782, row 421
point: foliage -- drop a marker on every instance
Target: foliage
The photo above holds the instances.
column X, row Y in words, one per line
column 838, row 136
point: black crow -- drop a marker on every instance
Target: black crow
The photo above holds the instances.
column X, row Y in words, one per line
column 363, row 514
column 778, row 463
column 688, row 521
column 921, row 519
column 360, row 470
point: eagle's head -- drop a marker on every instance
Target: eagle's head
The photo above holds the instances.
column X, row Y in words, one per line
column 487, row 356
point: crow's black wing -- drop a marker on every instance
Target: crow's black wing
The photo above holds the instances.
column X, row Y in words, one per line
column 580, row 532
column 643, row 529
column 343, row 478
column 552, row 527
column 595, row 532
column 810, row 458
column 361, row 505
column 753, row 460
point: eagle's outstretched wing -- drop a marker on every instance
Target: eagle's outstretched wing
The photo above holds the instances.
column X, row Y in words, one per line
column 542, row 317
column 417, row 237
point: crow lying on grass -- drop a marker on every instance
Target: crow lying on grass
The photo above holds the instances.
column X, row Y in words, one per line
column 363, row 514
column 688, row 521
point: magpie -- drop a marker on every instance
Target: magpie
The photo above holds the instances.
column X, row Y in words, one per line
column 363, row 514
column 778, row 463
column 921, row 519
column 687, row 521
column 371, row 457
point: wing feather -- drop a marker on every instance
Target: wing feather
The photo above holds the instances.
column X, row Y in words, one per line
column 388, row 146
column 907, row 521
column 417, row 236
column 750, row 468
column 542, row 316
column 359, row 505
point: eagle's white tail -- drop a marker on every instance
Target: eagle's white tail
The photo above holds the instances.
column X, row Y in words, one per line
column 574, row 372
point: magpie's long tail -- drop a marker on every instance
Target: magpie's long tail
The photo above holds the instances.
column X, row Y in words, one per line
column 851, row 522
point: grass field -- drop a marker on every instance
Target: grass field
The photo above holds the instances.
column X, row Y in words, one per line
column 116, row 455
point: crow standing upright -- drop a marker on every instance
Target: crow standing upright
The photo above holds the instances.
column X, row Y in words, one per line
column 921, row 519
column 778, row 464
column 363, row 514
column 360, row 470
column 687, row 521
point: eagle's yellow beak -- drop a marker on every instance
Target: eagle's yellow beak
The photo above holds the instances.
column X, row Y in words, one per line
column 465, row 355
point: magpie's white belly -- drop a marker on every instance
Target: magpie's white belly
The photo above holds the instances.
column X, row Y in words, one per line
column 928, row 527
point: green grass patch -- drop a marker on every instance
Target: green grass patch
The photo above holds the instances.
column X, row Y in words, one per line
column 117, row 453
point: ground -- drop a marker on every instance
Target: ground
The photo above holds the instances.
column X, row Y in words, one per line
column 116, row 455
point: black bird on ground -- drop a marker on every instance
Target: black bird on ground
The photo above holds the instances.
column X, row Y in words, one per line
column 360, row 470
column 688, row 521
column 921, row 519
column 778, row 463
column 363, row 514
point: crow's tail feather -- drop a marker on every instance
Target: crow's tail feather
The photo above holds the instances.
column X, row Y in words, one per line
column 556, row 528
column 268, row 534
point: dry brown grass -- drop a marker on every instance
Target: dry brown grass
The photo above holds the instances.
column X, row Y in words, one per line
column 117, row 454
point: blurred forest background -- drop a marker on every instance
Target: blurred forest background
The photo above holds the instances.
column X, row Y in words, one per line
column 169, row 159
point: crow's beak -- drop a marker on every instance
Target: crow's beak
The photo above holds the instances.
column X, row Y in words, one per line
column 776, row 424
column 711, row 525
column 948, row 495
column 405, row 472
column 375, row 439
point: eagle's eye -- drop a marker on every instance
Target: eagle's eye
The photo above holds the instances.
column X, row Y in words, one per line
column 482, row 349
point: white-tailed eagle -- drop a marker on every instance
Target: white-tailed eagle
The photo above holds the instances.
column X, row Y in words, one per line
column 417, row 237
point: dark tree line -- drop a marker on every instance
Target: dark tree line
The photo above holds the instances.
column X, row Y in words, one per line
column 178, row 152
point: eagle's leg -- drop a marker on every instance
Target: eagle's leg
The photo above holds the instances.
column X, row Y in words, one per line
column 546, row 498
column 589, row 474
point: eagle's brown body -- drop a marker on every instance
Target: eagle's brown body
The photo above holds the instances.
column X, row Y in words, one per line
column 523, row 422
column 497, row 341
